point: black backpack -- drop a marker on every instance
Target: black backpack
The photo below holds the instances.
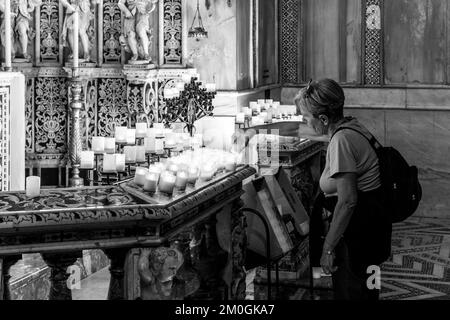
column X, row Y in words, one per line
column 399, row 180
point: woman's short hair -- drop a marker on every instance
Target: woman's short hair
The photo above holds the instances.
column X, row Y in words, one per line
column 323, row 97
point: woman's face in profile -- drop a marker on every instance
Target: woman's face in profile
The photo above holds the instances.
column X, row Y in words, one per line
column 311, row 121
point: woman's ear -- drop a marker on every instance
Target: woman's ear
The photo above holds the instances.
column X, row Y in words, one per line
column 324, row 119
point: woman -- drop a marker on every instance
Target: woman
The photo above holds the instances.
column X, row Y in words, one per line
column 360, row 231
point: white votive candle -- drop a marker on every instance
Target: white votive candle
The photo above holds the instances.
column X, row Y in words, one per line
column 181, row 181
column 207, row 173
column 130, row 154
column 109, row 163
column 240, row 118
column 98, row 144
column 230, row 166
column 139, row 177
column 173, row 168
column 141, row 129
column 131, row 136
column 192, row 175
column 140, row 154
column 247, row 111
column 159, row 146
column 110, row 145
column 121, row 134
column 167, row 182
column 170, row 143
column 151, row 182
column 33, row 186
column 149, row 144
column 120, row 162
column 87, row 159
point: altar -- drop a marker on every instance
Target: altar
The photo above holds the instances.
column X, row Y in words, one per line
column 197, row 224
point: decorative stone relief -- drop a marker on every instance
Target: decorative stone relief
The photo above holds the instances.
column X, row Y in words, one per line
column 172, row 31
column 111, row 32
column 291, row 47
column 51, row 115
column 112, row 106
column 373, row 42
column 4, row 138
column 29, row 116
column 49, row 31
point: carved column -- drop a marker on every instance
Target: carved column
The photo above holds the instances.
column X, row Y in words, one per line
column 58, row 263
column 116, row 283
column 5, row 265
column 75, row 136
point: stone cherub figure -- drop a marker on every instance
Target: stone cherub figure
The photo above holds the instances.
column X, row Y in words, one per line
column 86, row 14
column 21, row 32
column 161, row 276
column 136, row 25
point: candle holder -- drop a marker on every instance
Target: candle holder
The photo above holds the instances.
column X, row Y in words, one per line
column 75, row 137
column 194, row 103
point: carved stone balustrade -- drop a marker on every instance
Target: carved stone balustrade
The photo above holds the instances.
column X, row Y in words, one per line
column 145, row 236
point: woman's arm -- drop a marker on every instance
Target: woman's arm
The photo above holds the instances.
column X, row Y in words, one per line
column 347, row 200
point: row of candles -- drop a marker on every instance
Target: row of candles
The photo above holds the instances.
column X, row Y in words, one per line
column 155, row 140
column 263, row 111
column 188, row 168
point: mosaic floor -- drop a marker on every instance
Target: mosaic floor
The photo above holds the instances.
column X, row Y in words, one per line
column 419, row 268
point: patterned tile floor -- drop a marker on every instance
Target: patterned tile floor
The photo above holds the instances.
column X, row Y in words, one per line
column 419, row 268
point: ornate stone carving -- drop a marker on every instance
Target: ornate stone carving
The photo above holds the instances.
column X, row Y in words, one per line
column 29, row 116
column 58, row 263
column 141, row 98
column 22, row 31
column 172, row 32
column 136, row 32
column 51, row 115
column 49, row 31
column 160, row 278
column 373, row 42
column 4, row 138
column 238, row 252
column 290, row 45
column 112, row 106
column 111, row 32
column 86, row 11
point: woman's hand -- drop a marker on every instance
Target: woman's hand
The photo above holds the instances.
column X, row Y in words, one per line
column 327, row 263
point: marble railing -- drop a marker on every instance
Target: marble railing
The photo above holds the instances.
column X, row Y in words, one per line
column 145, row 237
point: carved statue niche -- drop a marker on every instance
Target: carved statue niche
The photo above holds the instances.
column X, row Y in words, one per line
column 85, row 9
column 136, row 32
column 160, row 279
column 21, row 31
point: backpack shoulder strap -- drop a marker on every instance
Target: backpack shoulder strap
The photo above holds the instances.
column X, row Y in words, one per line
column 372, row 140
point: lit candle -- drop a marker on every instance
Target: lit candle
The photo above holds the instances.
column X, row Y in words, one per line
column 240, row 118
column 110, row 145
column 247, row 111
column 159, row 146
column 207, row 173
column 139, row 176
column 120, row 162
column 151, row 182
column 141, row 130
column 130, row 154
column 156, row 169
column 269, row 102
column 167, row 182
column 75, row 38
column 121, row 134
column 8, row 34
column 181, row 181
column 98, row 144
column 131, row 136
column 109, row 163
column 230, row 165
column 192, row 175
column 140, row 154
column 149, row 144
column 33, row 186
column 170, row 143
column 276, row 105
column 180, row 86
column 173, row 168
column 87, row 160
